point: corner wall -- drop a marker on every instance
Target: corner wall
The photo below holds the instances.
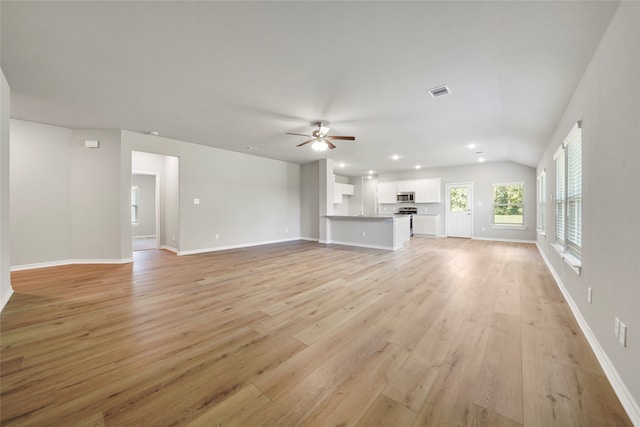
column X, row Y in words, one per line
column 5, row 261
column 607, row 100
column 310, row 199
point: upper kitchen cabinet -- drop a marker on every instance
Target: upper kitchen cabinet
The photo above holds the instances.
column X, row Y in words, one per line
column 407, row 186
column 340, row 190
column 387, row 192
column 428, row 190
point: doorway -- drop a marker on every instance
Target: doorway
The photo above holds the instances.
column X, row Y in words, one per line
column 144, row 211
column 156, row 209
column 458, row 210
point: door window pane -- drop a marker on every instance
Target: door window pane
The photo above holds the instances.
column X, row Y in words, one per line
column 459, row 199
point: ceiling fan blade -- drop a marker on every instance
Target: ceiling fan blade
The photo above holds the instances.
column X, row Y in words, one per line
column 306, row 142
column 345, row 138
column 330, row 144
column 299, row 134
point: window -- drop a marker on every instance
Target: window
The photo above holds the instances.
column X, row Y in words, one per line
column 560, row 187
column 542, row 201
column 508, row 204
column 569, row 196
column 134, row 204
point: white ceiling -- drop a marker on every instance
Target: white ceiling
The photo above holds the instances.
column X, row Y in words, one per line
column 238, row 74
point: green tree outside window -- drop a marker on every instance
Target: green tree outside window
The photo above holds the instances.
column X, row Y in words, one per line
column 508, row 204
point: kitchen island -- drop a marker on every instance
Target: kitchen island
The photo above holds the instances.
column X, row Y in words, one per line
column 369, row 231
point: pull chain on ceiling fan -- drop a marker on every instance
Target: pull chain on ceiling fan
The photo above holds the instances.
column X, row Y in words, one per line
column 321, row 141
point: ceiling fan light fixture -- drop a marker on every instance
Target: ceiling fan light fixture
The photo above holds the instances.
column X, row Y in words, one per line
column 319, row 145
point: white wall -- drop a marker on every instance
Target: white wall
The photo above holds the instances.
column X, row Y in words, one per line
column 607, row 100
column 40, row 193
column 146, row 211
column 310, row 198
column 73, row 203
column 483, row 176
column 64, row 207
column 170, row 209
column 5, row 259
column 244, row 199
column 96, row 200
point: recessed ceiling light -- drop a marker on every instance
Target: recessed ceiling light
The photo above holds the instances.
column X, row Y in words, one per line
column 250, row 148
column 370, row 172
column 481, row 159
column 395, row 157
column 341, row 165
column 418, row 166
column 471, row 146
column 154, row 133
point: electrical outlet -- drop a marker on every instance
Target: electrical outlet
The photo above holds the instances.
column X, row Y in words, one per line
column 196, row 201
column 589, row 295
column 217, row 236
column 623, row 334
column 363, row 234
column 286, row 230
column 616, row 328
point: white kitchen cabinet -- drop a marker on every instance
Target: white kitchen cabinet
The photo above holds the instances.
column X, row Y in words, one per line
column 407, row 186
column 340, row 190
column 426, row 225
column 428, row 190
column 387, row 192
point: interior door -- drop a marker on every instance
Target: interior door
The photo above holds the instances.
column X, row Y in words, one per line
column 458, row 213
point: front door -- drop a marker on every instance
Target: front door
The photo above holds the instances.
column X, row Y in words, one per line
column 458, row 213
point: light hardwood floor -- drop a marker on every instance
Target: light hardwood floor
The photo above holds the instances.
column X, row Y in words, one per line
column 445, row 332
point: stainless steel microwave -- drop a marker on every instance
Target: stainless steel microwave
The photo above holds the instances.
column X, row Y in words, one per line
column 407, row 197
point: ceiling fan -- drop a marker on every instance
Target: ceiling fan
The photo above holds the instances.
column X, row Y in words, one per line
column 321, row 141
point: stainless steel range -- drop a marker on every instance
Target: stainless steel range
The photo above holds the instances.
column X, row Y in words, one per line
column 408, row 211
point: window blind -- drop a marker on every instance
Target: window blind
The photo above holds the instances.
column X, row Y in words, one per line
column 574, row 190
column 560, row 192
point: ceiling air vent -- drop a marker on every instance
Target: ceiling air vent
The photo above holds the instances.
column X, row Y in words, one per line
column 439, row 91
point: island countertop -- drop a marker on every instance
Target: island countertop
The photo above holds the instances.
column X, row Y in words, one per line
column 372, row 231
column 364, row 217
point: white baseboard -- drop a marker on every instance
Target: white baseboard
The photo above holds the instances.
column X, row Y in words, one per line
column 69, row 262
column 504, row 240
column 310, row 239
column 169, row 248
column 242, row 245
column 102, row 261
column 150, row 236
column 626, row 398
column 362, row 245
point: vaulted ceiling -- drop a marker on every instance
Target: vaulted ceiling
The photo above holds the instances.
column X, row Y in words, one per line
column 241, row 74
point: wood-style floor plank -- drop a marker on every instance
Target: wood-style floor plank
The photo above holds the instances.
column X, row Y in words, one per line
column 445, row 332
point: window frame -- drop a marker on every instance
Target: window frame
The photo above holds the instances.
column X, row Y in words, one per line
column 541, row 201
column 495, row 224
column 568, row 159
column 134, row 204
